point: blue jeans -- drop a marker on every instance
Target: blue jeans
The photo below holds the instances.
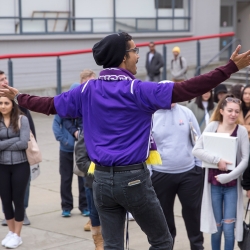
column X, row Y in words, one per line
column 94, row 216
column 113, row 196
column 224, row 202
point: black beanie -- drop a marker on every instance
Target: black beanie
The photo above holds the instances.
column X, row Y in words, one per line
column 110, row 51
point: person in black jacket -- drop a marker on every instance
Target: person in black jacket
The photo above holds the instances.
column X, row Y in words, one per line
column 26, row 112
column 154, row 62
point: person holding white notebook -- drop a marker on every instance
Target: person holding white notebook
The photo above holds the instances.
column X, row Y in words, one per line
column 222, row 202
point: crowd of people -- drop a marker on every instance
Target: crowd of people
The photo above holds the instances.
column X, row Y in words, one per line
column 117, row 137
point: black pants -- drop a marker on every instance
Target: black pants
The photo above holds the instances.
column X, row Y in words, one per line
column 188, row 186
column 66, row 172
column 13, row 183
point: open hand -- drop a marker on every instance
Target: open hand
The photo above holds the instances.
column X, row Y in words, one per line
column 8, row 91
column 241, row 60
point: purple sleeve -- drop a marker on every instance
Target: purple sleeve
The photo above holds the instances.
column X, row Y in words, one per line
column 151, row 96
column 69, row 104
column 199, row 85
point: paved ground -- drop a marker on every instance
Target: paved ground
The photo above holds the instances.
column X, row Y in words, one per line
column 48, row 230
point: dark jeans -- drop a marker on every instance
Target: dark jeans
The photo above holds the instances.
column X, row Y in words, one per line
column 66, row 172
column 113, row 197
column 188, row 186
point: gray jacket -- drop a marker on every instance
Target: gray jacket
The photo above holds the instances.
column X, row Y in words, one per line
column 179, row 71
column 82, row 160
column 153, row 68
column 12, row 144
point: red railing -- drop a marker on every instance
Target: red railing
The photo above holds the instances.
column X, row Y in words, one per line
column 74, row 52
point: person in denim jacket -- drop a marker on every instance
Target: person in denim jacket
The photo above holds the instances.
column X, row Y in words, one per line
column 66, row 159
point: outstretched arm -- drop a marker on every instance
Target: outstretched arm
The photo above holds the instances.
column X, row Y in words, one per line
column 187, row 90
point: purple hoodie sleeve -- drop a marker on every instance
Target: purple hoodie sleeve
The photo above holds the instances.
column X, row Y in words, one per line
column 69, row 104
column 199, row 85
column 151, row 96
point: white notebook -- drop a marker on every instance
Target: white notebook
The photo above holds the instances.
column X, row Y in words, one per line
column 222, row 145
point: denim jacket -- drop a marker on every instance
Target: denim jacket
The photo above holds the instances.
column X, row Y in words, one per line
column 67, row 141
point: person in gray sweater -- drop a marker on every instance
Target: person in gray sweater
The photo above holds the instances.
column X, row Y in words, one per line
column 222, row 202
column 180, row 173
column 14, row 168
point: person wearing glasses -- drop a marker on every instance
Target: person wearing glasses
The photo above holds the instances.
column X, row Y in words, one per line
column 117, row 110
column 154, row 62
column 222, row 202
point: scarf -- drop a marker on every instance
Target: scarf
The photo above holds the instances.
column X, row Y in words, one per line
column 119, row 74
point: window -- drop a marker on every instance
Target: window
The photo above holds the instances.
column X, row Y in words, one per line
column 169, row 4
column 226, row 16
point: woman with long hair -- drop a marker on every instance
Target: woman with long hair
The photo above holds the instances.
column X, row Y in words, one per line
column 202, row 107
column 244, row 116
column 14, row 168
column 236, row 90
column 222, row 202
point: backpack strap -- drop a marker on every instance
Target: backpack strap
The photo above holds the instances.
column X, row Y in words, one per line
column 181, row 62
column 172, row 61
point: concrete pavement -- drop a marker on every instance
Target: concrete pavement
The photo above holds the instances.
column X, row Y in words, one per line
column 48, row 230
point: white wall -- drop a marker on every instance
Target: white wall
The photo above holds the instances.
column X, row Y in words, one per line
column 205, row 17
column 137, row 8
column 29, row 6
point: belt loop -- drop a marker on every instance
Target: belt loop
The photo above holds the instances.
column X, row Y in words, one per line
column 145, row 166
column 112, row 175
column 112, row 171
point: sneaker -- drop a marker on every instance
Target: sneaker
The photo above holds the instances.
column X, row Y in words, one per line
column 26, row 220
column 4, row 222
column 85, row 212
column 87, row 226
column 66, row 213
column 130, row 217
column 7, row 238
column 14, row 241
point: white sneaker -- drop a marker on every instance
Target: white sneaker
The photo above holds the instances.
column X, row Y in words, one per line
column 7, row 238
column 130, row 217
column 14, row 241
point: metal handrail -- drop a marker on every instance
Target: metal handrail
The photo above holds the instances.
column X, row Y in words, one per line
column 218, row 54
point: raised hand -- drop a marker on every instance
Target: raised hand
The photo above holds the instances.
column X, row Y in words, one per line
column 8, row 91
column 241, row 60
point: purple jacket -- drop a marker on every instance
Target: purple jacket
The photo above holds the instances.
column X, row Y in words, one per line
column 117, row 113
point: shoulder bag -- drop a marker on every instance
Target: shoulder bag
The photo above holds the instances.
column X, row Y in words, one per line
column 245, row 243
column 33, row 153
